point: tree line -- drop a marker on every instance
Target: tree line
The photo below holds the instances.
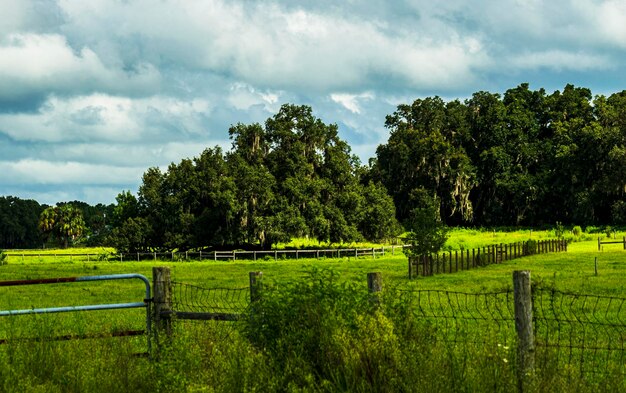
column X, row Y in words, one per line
column 523, row 158
column 291, row 177
column 25, row 223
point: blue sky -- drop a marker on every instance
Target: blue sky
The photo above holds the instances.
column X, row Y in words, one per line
column 93, row 93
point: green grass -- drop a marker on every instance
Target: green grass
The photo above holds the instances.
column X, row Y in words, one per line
column 363, row 350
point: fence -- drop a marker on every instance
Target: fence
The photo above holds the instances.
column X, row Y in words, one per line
column 145, row 303
column 548, row 328
column 451, row 262
column 232, row 255
column 600, row 243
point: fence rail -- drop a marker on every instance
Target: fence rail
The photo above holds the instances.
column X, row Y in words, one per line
column 600, row 242
column 454, row 261
column 231, row 255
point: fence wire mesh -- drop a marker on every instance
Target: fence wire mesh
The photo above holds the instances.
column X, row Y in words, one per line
column 458, row 317
column 583, row 331
column 215, row 307
column 193, row 298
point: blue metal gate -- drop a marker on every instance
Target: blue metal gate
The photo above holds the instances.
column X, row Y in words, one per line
column 143, row 304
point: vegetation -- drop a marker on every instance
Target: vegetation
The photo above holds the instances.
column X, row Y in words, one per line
column 292, row 177
column 524, row 158
column 314, row 330
column 63, row 222
column 427, row 233
column 18, row 223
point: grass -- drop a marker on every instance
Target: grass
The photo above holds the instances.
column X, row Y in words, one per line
column 325, row 346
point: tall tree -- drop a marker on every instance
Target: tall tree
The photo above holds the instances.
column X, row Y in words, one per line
column 62, row 222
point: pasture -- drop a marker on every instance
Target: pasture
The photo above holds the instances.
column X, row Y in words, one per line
column 366, row 349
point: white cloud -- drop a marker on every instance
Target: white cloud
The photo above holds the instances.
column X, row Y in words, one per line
column 36, row 171
column 99, row 85
column 350, row 101
column 99, row 117
column 44, row 63
column 242, row 96
column 610, row 20
column 273, row 47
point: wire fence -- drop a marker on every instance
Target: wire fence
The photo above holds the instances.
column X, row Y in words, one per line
column 196, row 299
column 459, row 317
column 578, row 330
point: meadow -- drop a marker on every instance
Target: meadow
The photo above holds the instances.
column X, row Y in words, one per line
column 318, row 332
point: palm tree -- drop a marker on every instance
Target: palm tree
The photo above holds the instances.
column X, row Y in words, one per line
column 64, row 222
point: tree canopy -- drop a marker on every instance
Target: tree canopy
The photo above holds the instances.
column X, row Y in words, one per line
column 524, row 158
column 63, row 222
column 291, row 177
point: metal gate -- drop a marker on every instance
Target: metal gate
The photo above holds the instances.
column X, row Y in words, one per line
column 143, row 304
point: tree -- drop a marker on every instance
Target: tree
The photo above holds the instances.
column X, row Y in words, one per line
column 62, row 222
column 427, row 233
column 131, row 236
column 425, row 152
column 19, row 220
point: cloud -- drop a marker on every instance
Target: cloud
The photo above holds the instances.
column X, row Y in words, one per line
column 42, row 64
column 119, row 86
column 274, row 47
column 98, row 117
column 37, row 171
column 350, row 101
column 561, row 60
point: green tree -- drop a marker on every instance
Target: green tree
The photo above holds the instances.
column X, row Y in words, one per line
column 425, row 151
column 19, row 221
column 131, row 236
column 63, row 222
column 427, row 233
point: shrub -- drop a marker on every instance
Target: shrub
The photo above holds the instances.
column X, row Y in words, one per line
column 531, row 246
column 3, row 257
column 559, row 230
column 320, row 333
column 577, row 231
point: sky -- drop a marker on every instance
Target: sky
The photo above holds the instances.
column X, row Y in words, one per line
column 93, row 93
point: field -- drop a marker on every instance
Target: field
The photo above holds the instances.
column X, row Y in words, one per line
column 366, row 349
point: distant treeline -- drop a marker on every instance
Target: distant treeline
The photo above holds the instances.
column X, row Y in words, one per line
column 19, row 223
column 525, row 158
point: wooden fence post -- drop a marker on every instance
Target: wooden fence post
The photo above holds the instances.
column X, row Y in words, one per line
column 374, row 287
column 524, row 327
column 162, row 285
column 256, row 286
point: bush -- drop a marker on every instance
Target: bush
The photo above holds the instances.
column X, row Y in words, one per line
column 3, row 257
column 531, row 246
column 559, row 230
column 577, row 231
